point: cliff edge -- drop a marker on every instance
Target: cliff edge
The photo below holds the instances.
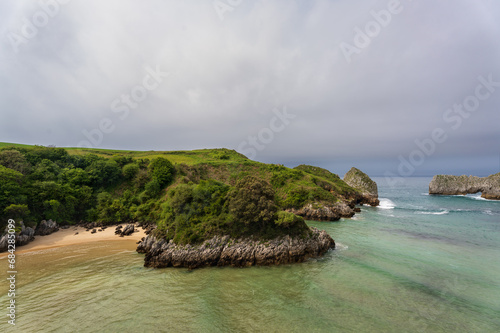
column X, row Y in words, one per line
column 241, row 252
column 462, row 185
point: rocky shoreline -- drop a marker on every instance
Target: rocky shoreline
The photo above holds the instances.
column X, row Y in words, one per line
column 27, row 234
column 225, row 251
column 462, row 185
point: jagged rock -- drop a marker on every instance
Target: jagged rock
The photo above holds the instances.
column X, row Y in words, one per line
column 23, row 237
column 3, row 243
column 461, row 185
column 149, row 229
column 225, row 251
column 360, row 181
column 128, row 230
column 93, row 231
column 46, row 228
column 319, row 212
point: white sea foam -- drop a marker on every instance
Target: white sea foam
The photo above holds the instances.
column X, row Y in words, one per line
column 478, row 196
column 444, row 212
column 340, row 247
column 386, row 204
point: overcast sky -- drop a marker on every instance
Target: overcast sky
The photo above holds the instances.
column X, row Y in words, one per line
column 331, row 83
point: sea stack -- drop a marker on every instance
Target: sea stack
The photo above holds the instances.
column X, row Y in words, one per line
column 462, row 185
column 360, row 181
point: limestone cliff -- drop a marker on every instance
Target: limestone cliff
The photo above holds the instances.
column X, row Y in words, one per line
column 225, row 251
column 461, row 185
column 360, row 181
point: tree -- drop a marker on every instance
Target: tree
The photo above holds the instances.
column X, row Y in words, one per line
column 15, row 211
column 11, row 191
column 14, row 160
column 38, row 153
column 74, row 176
column 130, row 170
column 45, row 170
column 104, row 172
column 252, row 202
column 153, row 188
column 162, row 169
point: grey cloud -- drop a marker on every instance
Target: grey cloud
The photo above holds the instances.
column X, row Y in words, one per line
column 226, row 77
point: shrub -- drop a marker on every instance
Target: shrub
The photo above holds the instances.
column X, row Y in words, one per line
column 296, row 198
column 130, row 170
column 153, row 188
column 287, row 220
column 14, row 160
column 17, row 211
column 252, row 202
column 162, row 169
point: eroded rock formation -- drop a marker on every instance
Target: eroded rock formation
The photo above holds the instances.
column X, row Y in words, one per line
column 225, row 251
column 360, row 181
column 461, row 185
column 23, row 237
column 46, row 228
column 319, row 212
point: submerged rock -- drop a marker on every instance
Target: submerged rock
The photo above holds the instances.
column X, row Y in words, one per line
column 360, row 181
column 225, row 251
column 46, row 228
column 461, row 185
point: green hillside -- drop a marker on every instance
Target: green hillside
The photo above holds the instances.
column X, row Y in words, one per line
column 190, row 195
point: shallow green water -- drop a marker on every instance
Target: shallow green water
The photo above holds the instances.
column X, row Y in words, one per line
column 418, row 263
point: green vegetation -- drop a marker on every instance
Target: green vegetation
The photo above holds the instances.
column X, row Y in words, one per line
column 190, row 195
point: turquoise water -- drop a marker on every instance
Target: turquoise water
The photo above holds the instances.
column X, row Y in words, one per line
column 418, row 263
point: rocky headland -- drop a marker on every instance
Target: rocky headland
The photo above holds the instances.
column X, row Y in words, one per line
column 462, row 185
column 361, row 190
column 226, row 251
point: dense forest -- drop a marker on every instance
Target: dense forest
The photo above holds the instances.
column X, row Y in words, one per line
column 202, row 193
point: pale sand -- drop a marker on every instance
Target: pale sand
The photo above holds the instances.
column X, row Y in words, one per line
column 65, row 237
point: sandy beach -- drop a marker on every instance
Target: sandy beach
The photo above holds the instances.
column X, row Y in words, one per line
column 66, row 237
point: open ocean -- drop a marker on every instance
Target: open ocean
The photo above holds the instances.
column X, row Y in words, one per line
column 417, row 263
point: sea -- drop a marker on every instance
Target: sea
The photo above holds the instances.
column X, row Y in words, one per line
column 416, row 263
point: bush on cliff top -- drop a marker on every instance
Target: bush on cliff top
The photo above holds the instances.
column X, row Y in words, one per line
column 196, row 212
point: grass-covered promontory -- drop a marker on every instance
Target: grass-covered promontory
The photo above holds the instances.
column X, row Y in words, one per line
column 190, row 195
